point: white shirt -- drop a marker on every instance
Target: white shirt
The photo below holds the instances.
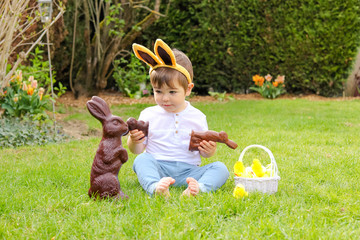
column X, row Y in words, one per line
column 169, row 133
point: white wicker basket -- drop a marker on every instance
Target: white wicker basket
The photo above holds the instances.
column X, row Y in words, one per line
column 266, row 185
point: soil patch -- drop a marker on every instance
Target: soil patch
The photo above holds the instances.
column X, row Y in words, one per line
column 77, row 129
column 116, row 98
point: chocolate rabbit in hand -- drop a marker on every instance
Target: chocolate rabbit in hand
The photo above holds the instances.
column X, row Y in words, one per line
column 110, row 155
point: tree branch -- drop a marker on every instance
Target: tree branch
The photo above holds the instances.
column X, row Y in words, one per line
column 24, row 56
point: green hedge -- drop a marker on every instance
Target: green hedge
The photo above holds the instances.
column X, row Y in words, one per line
column 312, row 43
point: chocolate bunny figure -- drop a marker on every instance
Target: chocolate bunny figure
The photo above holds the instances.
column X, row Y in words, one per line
column 140, row 125
column 110, row 155
column 221, row 137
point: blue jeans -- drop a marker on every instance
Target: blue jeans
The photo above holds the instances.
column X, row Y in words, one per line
column 149, row 172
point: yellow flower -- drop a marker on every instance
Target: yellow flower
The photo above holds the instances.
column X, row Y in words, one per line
column 275, row 84
column 259, row 81
column 34, row 83
column 239, row 168
column 239, row 191
column 19, row 76
column 41, row 92
column 24, row 87
column 257, row 168
column 30, row 90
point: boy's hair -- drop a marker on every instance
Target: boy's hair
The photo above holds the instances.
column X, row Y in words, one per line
column 164, row 75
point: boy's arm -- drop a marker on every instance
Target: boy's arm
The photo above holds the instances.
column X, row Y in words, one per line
column 135, row 141
column 207, row 148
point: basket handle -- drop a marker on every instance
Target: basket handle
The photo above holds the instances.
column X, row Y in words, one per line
column 274, row 167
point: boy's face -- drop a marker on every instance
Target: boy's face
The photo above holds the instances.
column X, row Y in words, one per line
column 172, row 99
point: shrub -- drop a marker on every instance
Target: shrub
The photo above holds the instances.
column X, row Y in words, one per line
column 39, row 69
column 131, row 77
column 16, row 132
column 314, row 42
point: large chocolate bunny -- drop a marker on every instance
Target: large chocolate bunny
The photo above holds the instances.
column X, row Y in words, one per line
column 110, row 155
column 221, row 137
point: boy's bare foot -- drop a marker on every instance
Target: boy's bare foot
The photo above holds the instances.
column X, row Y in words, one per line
column 193, row 187
column 162, row 188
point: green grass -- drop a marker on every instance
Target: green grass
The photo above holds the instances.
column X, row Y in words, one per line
column 315, row 143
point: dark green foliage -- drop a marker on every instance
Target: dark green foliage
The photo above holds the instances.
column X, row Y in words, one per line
column 131, row 77
column 312, row 43
column 38, row 68
column 16, row 132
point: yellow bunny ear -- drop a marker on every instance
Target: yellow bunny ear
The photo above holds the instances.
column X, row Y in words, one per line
column 164, row 52
column 164, row 57
column 145, row 55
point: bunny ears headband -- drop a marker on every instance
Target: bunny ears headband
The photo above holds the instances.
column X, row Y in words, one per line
column 163, row 57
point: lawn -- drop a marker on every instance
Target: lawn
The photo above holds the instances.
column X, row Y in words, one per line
column 315, row 144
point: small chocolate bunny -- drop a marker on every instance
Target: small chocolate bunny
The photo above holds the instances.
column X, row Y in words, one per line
column 140, row 125
column 197, row 137
column 110, row 155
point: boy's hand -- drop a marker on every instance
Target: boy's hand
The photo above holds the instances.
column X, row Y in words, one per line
column 137, row 136
column 207, row 148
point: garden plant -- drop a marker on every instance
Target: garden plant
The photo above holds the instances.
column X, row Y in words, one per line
column 131, row 77
column 24, row 105
column 315, row 144
column 269, row 88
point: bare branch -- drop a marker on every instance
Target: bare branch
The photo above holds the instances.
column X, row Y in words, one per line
column 19, row 60
column 73, row 47
column 150, row 10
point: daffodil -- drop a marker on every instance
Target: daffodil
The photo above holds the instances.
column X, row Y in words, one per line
column 239, row 191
